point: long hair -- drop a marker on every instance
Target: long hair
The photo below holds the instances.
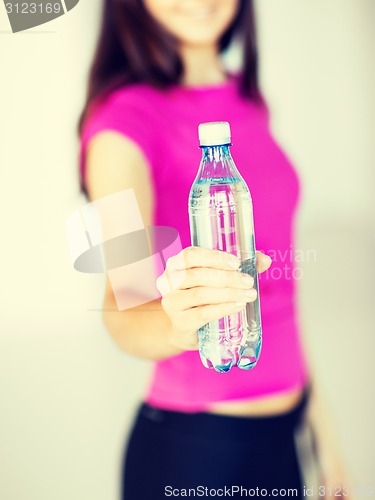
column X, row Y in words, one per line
column 133, row 47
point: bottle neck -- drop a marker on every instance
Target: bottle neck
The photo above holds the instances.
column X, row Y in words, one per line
column 215, row 153
column 217, row 162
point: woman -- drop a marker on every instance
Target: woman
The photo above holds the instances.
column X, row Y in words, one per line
column 157, row 74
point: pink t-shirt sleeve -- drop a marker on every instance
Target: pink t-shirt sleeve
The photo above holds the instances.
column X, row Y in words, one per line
column 123, row 113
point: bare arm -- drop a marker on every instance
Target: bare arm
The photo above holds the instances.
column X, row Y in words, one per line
column 114, row 164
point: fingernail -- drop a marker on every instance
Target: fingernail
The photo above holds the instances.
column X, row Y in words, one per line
column 247, row 280
column 250, row 295
column 234, row 262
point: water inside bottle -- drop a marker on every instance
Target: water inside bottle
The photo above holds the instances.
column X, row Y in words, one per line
column 221, row 219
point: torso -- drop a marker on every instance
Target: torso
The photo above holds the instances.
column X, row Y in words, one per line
column 145, row 116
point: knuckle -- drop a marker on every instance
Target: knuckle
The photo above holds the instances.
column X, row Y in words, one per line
column 211, row 275
column 163, row 302
column 188, row 250
column 204, row 314
column 222, row 277
column 197, row 295
column 166, row 303
column 232, row 278
column 191, row 255
column 193, row 276
column 170, row 261
column 177, row 279
column 160, row 284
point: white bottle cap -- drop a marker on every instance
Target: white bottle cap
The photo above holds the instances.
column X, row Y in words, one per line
column 214, row 133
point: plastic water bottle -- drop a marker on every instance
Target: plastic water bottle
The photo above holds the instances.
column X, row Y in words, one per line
column 221, row 218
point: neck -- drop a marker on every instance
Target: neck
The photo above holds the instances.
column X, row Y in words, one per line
column 202, row 66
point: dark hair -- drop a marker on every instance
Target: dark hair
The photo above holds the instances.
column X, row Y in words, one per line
column 133, row 47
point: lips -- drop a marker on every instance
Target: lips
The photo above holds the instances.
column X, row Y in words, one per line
column 198, row 14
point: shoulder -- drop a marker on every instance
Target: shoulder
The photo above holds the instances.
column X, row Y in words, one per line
column 135, row 97
column 130, row 110
column 124, row 117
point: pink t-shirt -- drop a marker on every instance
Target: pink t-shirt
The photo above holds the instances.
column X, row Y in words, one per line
column 164, row 126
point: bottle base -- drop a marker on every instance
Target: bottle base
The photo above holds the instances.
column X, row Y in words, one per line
column 246, row 359
column 221, row 367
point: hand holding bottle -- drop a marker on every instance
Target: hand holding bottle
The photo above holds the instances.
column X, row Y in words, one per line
column 201, row 285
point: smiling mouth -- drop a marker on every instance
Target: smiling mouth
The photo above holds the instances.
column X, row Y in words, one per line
column 200, row 14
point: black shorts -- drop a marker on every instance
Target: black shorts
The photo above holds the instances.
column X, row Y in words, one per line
column 172, row 454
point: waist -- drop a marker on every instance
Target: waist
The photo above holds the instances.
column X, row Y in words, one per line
column 230, row 427
column 272, row 404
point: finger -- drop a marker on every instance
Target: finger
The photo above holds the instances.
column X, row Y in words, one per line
column 199, row 296
column 202, row 257
column 163, row 284
column 199, row 316
column 263, row 262
column 208, row 277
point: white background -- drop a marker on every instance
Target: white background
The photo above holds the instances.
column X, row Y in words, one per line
column 67, row 395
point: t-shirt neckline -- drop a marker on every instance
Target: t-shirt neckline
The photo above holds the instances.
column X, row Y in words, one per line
column 226, row 84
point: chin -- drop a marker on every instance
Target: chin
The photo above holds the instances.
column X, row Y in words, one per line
column 199, row 36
